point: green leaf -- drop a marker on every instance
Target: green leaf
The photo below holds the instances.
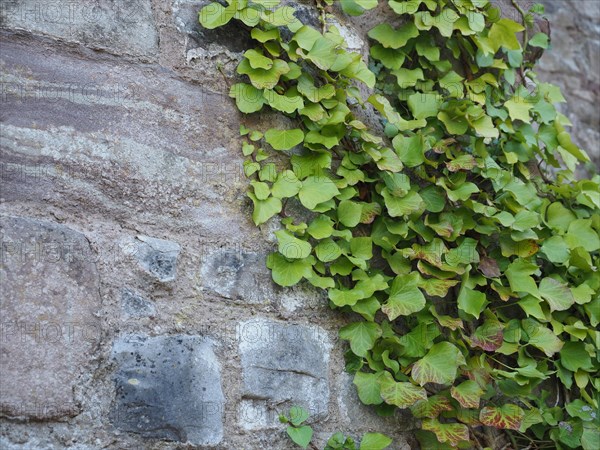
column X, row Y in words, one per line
column 432, row 407
column 503, row 33
column 374, row 441
column 257, row 60
column 321, row 227
column 262, row 78
column 264, row 209
column 362, row 336
column 505, row 417
column 288, row 273
column 284, row 139
column 439, row 365
column 215, row 15
column 451, row 433
column 471, row 301
column 399, row 207
column 540, row 40
column 349, row 213
column 409, row 149
column 287, row 185
column 368, row 388
column 519, row 277
column 301, row 435
column 248, row 99
column 424, row 105
column 284, row 103
column 574, row 357
column 298, row 415
column 392, row 38
column 468, row 394
column 541, row 337
column 518, row 109
column 557, row 294
column 315, row 190
column 405, row 297
column 291, row 247
column 401, row 394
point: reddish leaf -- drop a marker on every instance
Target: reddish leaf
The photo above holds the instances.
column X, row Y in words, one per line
column 451, row 433
column 432, row 407
column 489, row 267
column 467, row 394
column 507, row 416
column 488, row 336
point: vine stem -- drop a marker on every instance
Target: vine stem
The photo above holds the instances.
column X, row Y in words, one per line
column 523, row 16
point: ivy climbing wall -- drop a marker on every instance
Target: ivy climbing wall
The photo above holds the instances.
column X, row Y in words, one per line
column 136, row 308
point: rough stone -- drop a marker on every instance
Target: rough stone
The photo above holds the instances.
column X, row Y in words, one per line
column 124, row 27
column 282, row 363
column 136, row 306
column 49, row 290
column 158, row 257
column 168, row 387
column 238, row 275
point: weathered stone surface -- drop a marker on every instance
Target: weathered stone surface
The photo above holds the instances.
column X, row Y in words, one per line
column 573, row 63
column 282, row 362
column 158, row 257
column 168, row 387
column 49, row 292
column 136, row 306
column 237, row 274
column 125, row 27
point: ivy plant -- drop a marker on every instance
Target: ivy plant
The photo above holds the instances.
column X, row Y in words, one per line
column 302, row 435
column 431, row 192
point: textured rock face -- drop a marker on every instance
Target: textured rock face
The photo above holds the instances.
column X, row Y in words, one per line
column 168, row 387
column 573, row 63
column 116, row 122
column 49, row 291
column 283, row 363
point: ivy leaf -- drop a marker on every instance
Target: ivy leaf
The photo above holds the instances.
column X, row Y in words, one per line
column 401, row 394
column 439, row 365
column 362, row 336
column 405, row 297
column 215, row 15
column 471, row 301
column 432, row 407
column 264, row 209
column 315, row 190
column 540, row 40
column 557, row 294
column 392, row 38
column 399, row 207
column 451, row 433
column 505, row 417
column 285, row 103
column 468, row 394
column 489, row 336
column 367, row 385
column 284, row 139
column 298, row 415
column 287, row 185
column 301, row 435
column 574, row 357
column 409, row 149
column 503, row 33
column 322, row 53
column 257, row 60
column 321, row 227
column 519, row 277
column 288, row 273
column 374, row 441
column 541, row 337
column 248, row 99
column 518, row 109
column 264, row 78
column 424, row 105
column 291, row 247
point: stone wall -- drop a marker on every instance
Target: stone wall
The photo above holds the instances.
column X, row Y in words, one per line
column 136, row 308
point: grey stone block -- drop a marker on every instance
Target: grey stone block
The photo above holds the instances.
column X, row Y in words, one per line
column 237, row 275
column 168, row 387
column 49, row 329
column 158, row 257
column 282, row 363
column 115, row 25
column 134, row 305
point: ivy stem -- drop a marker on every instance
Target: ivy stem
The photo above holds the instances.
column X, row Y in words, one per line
column 523, row 16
